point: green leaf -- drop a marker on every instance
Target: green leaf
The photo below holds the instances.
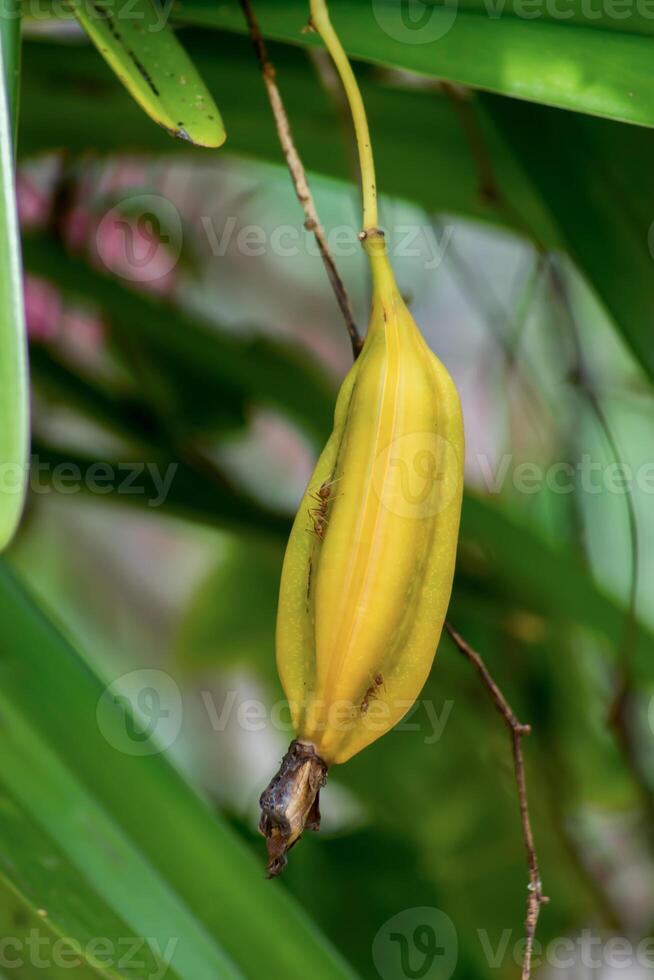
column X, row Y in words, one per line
column 575, row 182
column 133, row 37
column 43, row 891
column 595, row 179
column 439, row 172
column 10, row 42
column 203, row 366
column 583, row 64
column 129, row 849
column 138, row 482
column 368, row 877
column 14, row 397
column 544, row 579
column 231, row 618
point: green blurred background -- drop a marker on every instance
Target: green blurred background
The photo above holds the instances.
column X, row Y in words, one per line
column 181, row 324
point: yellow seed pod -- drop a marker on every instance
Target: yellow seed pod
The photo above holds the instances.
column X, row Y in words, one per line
column 369, row 565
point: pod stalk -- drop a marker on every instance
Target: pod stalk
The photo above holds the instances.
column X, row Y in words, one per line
column 320, row 20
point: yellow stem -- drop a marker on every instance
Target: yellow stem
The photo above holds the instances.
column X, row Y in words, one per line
column 322, row 23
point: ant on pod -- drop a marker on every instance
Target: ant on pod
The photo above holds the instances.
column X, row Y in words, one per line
column 318, row 514
column 371, row 693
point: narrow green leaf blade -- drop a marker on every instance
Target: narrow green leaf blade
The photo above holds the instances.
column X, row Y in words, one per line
column 254, row 369
column 149, row 60
column 141, row 838
column 65, row 866
column 43, row 895
column 547, row 580
column 10, row 40
column 14, row 391
column 438, row 173
column 582, row 64
column 594, row 176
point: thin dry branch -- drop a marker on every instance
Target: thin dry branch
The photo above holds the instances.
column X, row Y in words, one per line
column 298, row 175
column 535, row 897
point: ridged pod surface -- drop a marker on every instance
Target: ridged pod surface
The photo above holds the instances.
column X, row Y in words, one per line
column 370, row 560
column 368, row 569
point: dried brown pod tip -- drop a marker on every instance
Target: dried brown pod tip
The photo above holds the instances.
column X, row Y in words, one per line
column 290, row 802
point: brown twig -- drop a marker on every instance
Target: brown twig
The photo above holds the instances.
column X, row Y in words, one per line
column 298, row 175
column 535, row 897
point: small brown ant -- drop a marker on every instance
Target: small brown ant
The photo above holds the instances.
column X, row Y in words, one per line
column 318, row 514
column 371, row 693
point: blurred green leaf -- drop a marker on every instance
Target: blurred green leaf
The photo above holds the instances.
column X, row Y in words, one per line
column 594, row 178
column 445, row 777
column 44, row 895
column 368, row 876
column 14, row 398
column 583, row 63
column 162, row 485
column 548, row 580
column 566, row 179
column 133, row 37
column 231, row 618
column 127, row 824
column 10, row 42
column 439, row 172
column 206, row 372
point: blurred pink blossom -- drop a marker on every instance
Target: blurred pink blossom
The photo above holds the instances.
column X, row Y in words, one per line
column 43, row 308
